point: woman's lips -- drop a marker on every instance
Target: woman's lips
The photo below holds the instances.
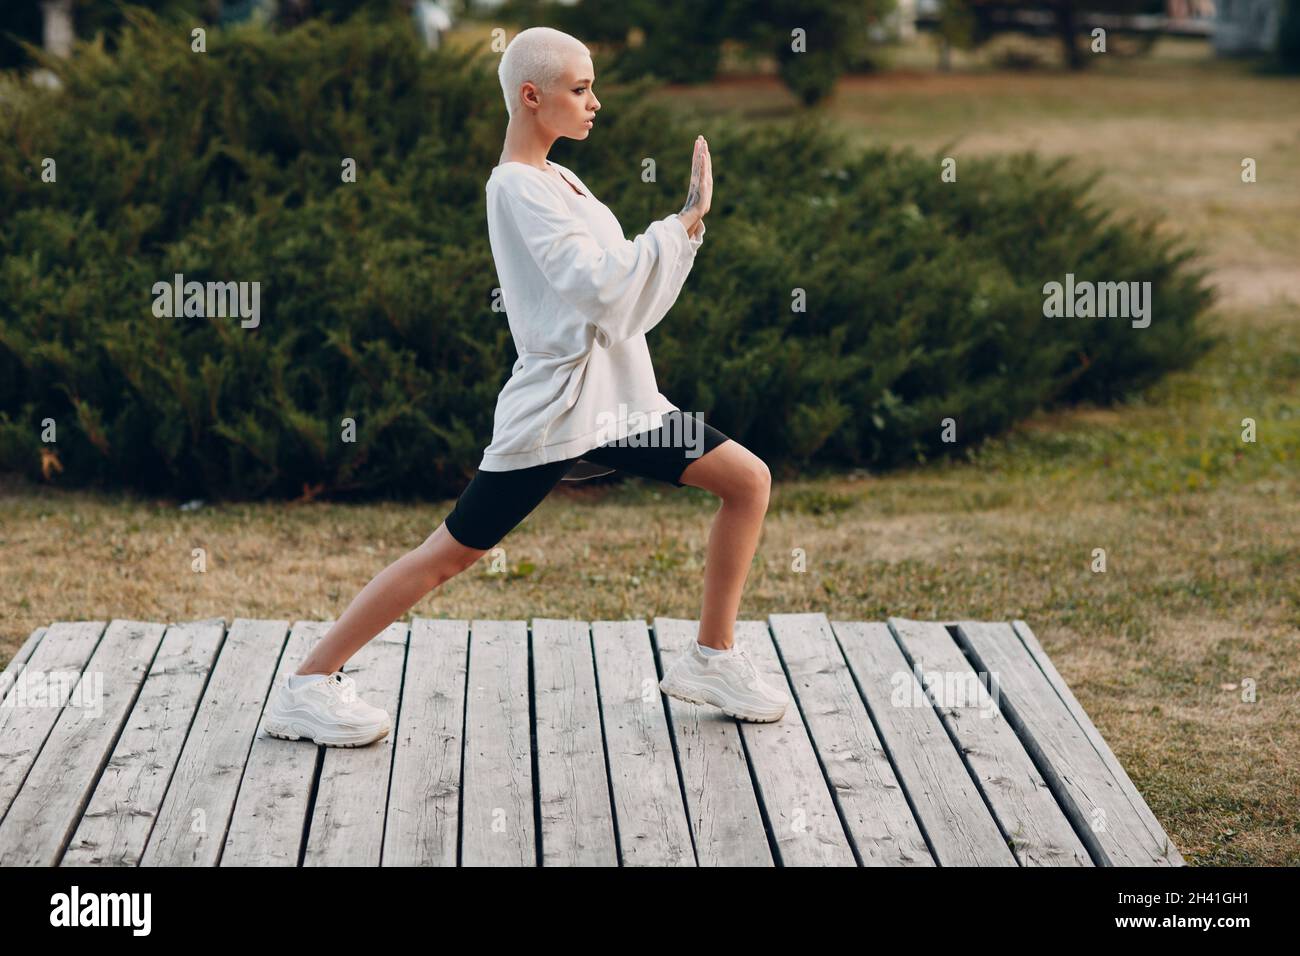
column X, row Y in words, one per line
column 590, row 124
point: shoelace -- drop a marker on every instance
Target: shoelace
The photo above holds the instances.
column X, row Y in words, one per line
column 343, row 685
column 747, row 665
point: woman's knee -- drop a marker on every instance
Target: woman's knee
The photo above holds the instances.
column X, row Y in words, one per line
column 749, row 483
column 758, row 482
column 733, row 473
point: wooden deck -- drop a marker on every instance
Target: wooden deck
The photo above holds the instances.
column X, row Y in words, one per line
column 140, row 744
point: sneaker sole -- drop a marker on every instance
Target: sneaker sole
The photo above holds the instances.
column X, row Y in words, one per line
column 290, row 730
column 686, row 696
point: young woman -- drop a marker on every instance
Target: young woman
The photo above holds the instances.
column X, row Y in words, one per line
column 582, row 400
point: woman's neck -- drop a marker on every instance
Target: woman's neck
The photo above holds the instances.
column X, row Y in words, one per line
column 526, row 143
column 544, row 167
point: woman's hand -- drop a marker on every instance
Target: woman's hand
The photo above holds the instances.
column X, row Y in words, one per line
column 700, row 193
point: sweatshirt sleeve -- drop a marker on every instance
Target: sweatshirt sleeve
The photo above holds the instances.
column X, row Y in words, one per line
column 623, row 290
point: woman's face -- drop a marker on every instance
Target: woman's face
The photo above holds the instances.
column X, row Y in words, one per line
column 571, row 107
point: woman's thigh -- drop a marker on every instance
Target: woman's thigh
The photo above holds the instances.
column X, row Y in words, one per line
column 494, row 502
column 665, row 453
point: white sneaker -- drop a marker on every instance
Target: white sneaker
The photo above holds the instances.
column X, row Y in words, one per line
column 728, row 681
column 327, row 712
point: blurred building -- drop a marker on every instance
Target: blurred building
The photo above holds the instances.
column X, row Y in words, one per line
column 244, row 11
column 901, row 23
column 1233, row 26
column 58, row 32
column 431, row 22
column 1246, row 26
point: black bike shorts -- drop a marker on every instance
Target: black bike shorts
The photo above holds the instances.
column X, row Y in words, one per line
column 494, row 502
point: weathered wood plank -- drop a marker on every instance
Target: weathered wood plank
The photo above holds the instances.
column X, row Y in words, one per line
column 945, row 801
column 721, row 805
column 27, row 713
column 1035, row 826
column 917, row 775
column 424, row 799
column 871, row 800
column 266, row 826
column 46, row 811
column 1081, row 717
column 191, row 825
column 1084, row 787
column 19, row 660
column 121, row 812
column 648, row 807
column 347, row 825
column 497, row 826
column 572, row 786
column 800, row 810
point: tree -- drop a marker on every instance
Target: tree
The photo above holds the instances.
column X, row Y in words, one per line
column 972, row 23
column 813, row 41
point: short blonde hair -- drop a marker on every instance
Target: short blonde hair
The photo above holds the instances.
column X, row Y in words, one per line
column 538, row 55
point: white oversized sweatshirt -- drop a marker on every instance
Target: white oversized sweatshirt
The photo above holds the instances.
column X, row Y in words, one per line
column 579, row 298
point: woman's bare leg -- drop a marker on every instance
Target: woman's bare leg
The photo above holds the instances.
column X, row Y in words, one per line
column 389, row 595
column 742, row 480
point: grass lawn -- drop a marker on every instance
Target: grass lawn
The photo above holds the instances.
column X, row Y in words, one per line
column 1201, row 530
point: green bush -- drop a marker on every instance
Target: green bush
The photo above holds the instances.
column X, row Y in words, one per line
column 924, row 298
